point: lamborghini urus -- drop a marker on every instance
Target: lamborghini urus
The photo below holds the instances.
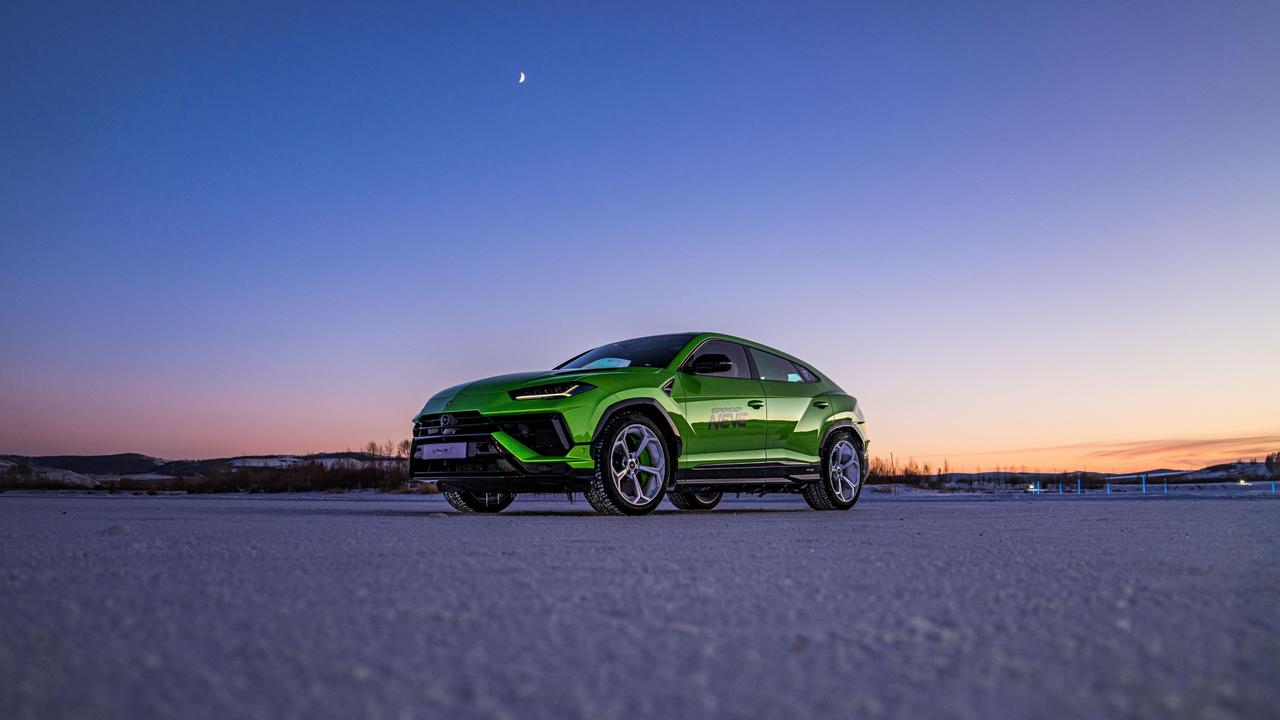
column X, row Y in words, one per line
column 688, row 416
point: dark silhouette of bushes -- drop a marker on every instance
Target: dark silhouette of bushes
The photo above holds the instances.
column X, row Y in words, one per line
column 891, row 472
column 303, row 477
column 388, row 475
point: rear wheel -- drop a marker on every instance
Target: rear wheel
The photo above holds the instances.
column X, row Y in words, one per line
column 631, row 467
column 841, row 482
column 484, row 502
column 695, row 501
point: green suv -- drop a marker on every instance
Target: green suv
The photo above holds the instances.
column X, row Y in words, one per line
column 690, row 416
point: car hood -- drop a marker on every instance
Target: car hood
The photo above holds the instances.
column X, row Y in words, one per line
column 480, row 393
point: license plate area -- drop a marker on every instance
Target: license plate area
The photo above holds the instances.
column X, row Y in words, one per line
column 442, row 451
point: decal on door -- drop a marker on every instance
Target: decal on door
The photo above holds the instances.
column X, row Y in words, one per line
column 724, row 418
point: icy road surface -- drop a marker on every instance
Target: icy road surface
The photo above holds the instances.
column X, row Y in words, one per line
column 382, row 606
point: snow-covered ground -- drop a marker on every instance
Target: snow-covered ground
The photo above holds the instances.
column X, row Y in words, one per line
column 368, row 605
column 1068, row 490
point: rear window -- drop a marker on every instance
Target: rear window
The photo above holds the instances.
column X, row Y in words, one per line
column 779, row 369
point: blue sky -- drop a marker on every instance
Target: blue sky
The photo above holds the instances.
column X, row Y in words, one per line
column 1004, row 226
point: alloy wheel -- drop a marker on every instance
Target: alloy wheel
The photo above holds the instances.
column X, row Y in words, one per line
column 844, row 471
column 637, row 464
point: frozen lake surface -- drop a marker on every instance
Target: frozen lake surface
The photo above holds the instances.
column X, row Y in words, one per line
column 392, row 606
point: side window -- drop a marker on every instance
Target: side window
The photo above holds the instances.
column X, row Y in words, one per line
column 735, row 352
column 778, row 369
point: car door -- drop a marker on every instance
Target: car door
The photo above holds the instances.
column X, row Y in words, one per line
column 794, row 414
column 726, row 410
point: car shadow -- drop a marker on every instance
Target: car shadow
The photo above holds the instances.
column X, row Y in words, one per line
column 439, row 512
column 656, row 513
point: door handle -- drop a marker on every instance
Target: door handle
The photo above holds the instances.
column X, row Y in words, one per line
column 757, row 404
column 821, row 404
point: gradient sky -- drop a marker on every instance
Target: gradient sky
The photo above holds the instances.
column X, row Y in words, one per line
column 1021, row 233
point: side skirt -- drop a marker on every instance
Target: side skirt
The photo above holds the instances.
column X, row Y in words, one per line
column 747, row 477
column 753, row 488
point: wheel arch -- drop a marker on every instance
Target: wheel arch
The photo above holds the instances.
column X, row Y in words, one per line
column 651, row 409
column 845, row 415
column 845, row 424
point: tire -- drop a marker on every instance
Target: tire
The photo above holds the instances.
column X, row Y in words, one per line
column 838, row 490
column 695, row 501
column 633, row 466
column 469, row 503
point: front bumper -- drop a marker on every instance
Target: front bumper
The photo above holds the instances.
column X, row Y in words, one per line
column 507, row 453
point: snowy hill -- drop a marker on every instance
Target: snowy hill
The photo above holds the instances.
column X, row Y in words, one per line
column 95, row 470
column 120, row 464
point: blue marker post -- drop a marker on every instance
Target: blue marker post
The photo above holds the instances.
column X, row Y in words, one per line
column 1273, row 487
column 1077, row 486
column 1144, row 483
column 1059, row 487
column 1166, row 487
column 1108, row 487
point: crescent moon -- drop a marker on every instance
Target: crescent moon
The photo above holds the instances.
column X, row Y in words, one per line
column 521, row 79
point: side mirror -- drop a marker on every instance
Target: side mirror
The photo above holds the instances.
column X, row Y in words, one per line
column 711, row 364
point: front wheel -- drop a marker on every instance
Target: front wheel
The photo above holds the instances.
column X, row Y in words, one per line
column 484, row 502
column 695, row 501
column 631, row 467
column 841, row 482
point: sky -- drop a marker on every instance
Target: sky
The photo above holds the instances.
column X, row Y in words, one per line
column 1041, row 235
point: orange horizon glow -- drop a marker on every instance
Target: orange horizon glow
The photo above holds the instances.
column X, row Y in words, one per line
column 1115, row 456
column 169, row 435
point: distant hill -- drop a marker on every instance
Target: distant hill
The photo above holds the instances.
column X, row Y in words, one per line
column 258, row 473
column 126, row 464
column 121, row 464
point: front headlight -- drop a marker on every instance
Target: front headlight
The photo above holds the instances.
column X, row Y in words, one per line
column 544, row 392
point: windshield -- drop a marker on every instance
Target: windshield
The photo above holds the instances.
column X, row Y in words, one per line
column 653, row 351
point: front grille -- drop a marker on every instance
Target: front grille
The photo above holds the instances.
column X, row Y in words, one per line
column 450, row 426
column 544, row 433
